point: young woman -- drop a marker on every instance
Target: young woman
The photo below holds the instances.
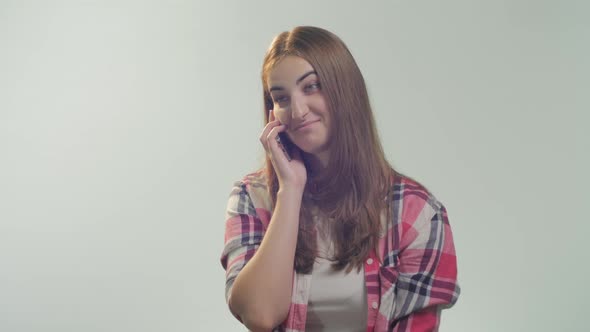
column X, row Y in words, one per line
column 327, row 236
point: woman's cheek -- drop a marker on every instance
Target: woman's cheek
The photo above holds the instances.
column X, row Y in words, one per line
column 282, row 116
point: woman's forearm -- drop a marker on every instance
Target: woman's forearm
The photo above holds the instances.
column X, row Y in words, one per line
column 261, row 293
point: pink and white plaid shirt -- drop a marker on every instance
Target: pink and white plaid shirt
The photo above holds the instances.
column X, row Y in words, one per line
column 409, row 280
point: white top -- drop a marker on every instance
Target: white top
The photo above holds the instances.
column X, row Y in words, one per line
column 338, row 300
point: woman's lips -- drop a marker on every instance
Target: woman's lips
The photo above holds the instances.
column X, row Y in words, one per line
column 305, row 125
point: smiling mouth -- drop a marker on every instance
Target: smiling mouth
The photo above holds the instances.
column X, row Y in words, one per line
column 304, row 125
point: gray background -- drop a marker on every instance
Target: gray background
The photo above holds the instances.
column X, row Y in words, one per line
column 124, row 124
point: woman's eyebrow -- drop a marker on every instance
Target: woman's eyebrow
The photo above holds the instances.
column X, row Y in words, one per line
column 304, row 76
column 296, row 82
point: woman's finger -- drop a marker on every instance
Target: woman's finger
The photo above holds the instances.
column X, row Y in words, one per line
column 263, row 136
column 271, row 138
column 276, row 150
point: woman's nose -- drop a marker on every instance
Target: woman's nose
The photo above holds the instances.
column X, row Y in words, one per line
column 299, row 109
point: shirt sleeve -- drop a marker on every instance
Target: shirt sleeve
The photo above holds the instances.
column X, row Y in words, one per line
column 243, row 233
column 427, row 280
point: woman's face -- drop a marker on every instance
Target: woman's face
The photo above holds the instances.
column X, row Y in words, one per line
column 299, row 104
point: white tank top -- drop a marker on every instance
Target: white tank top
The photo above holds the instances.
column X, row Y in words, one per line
column 337, row 300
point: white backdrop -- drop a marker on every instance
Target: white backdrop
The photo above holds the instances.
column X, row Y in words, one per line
column 123, row 125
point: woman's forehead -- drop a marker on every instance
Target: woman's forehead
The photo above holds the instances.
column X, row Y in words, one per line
column 289, row 71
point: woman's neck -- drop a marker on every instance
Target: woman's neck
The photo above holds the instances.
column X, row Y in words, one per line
column 317, row 163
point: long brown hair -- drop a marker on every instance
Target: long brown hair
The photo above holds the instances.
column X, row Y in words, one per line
column 355, row 187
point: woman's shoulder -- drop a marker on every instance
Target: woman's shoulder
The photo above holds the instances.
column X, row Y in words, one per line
column 413, row 195
column 256, row 179
column 253, row 186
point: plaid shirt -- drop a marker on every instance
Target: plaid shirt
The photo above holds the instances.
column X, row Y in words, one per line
column 409, row 279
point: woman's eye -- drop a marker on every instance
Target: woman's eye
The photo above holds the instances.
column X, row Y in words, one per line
column 313, row 86
column 280, row 99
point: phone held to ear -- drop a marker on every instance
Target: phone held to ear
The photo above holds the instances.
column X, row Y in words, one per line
column 282, row 139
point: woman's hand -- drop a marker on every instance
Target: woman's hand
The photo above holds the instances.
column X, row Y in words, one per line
column 291, row 174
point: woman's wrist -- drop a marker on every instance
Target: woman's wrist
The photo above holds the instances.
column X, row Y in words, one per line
column 289, row 193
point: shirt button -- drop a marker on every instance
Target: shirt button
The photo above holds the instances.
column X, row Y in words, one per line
column 374, row 305
column 370, row 261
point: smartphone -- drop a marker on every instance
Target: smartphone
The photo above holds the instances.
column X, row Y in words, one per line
column 285, row 144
